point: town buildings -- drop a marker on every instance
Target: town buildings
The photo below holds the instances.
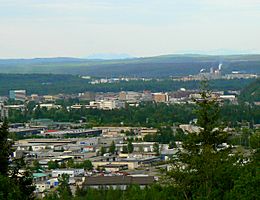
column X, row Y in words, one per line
column 18, row 95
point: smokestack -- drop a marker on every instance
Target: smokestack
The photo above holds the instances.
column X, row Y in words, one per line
column 220, row 66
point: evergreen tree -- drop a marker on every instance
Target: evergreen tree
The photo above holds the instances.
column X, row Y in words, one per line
column 23, row 178
column 53, row 164
column 112, row 148
column 15, row 179
column 156, row 148
column 9, row 190
column 36, row 166
column 203, row 170
column 5, row 149
column 130, row 147
column 87, row 165
column 102, row 151
column 125, row 149
column 64, row 190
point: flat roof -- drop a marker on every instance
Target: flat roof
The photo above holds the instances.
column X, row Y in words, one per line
column 118, row 180
column 38, row 175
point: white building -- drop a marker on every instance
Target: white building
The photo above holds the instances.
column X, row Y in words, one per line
column 107, row 104
column 50, row 106
column 70, row 172
column 18, row 95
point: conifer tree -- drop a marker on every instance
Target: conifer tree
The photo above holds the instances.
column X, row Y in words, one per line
column 5, row 148
column 203, row 168
column 130, row 147
column 10, row 171
column 112, row 147
column 64, row 190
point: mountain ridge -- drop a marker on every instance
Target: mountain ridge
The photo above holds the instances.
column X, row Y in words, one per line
column 155, row 66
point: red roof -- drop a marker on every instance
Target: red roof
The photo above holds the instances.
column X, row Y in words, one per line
column 50, row 131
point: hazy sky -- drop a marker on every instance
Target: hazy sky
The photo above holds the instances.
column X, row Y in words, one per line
column 50, row 28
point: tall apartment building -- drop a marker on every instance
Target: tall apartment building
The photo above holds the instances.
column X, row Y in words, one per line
column 18, row 95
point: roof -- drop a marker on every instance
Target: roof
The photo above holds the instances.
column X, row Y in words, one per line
column 38, row 175
column 118, row 180
column 113, row 165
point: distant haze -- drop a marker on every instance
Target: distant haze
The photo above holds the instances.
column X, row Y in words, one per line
column 82, row 28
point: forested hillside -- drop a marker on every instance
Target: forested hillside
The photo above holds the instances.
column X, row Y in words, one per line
column 251, row 93
column 160, row 66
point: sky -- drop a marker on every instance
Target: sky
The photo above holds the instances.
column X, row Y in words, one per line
column 79, row 28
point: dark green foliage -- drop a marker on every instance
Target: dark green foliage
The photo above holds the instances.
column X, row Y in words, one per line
column 102, row 151
column 86, row 164
column 56, row 84
column 158, row 115
column 23, row 178
column 112, row 147
column 5, row 149
column 9, row 190
column 166, row 135
column 156, row 149
column 125, row 149
column 251, row 93
column 255, row 140
column 246, row 187
column 64, row 190
column 133, row 192
column 15, row 179
column 53, row 164
column 36, row 167
column 199, row 170
column 130, row 147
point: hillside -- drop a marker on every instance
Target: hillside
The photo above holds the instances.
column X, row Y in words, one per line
column 251, row 93
column 160, row 66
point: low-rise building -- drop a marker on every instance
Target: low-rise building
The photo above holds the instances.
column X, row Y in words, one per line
column 114, row 167
column 18, row 95
column 49, row 98
column 49, row 106
column 148, row 131
column 160, row 97
column 189, row 128
column 107, row 104
column 71, row 172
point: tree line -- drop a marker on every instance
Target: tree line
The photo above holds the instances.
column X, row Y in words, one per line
column 146, row 114
column 44, row 84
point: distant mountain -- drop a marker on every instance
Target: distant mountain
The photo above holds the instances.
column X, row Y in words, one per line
column 109, row 56
column 158, row 66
